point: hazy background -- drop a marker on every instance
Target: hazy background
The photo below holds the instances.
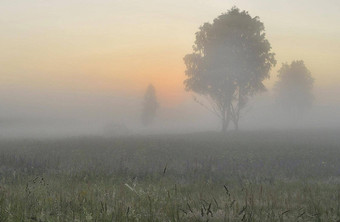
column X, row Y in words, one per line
column 81, row 67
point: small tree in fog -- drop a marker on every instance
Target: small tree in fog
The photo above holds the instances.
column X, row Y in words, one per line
column 150, row 105
column 294, row 88
column 231, row 58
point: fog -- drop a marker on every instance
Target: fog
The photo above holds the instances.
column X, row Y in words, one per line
column 172, row 110
column 65, row 75
column 31, row 113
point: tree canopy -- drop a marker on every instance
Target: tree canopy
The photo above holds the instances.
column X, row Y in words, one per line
column 150, row 105
column 294, row 88
column 231, row 58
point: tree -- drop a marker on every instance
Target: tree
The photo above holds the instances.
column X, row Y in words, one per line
column 294, row 87
column 231, row 58
column 150, row 105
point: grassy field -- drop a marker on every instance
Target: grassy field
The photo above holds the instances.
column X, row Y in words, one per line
column 244, row 176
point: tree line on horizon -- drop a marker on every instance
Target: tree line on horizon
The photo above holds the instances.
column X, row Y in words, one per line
column 230, row 60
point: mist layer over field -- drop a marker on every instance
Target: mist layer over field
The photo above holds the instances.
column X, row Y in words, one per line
column 112, row 115
column 71, row 68
column 172, row 110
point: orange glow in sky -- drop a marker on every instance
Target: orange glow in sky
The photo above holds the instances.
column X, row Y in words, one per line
column 123, row 46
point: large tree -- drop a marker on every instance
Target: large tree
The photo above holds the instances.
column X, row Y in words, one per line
column 293, row 89
column 150, row 105
column 231, row 58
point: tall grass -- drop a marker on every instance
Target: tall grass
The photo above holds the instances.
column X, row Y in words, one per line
column 249, row 176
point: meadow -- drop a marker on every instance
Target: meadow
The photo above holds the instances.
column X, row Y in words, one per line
column 242, row 176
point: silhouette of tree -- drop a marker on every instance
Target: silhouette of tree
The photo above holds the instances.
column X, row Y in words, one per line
column 150, row 105
column 294, row 88
column 231, row 58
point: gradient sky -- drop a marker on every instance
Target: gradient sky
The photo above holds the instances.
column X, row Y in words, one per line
column 120, row 46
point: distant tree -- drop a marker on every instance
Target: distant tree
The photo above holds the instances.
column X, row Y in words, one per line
column 150, row 105
column 231, row 58
column 294, row 88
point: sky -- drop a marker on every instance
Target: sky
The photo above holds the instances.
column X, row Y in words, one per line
column 71, row 51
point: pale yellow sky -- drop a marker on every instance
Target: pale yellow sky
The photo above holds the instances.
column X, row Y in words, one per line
column 122, row 45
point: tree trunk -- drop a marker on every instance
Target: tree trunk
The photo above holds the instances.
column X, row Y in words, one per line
column 236, row 116
column 226, row 117
column 236, row 125
column 236, row 120
column 224, row 125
